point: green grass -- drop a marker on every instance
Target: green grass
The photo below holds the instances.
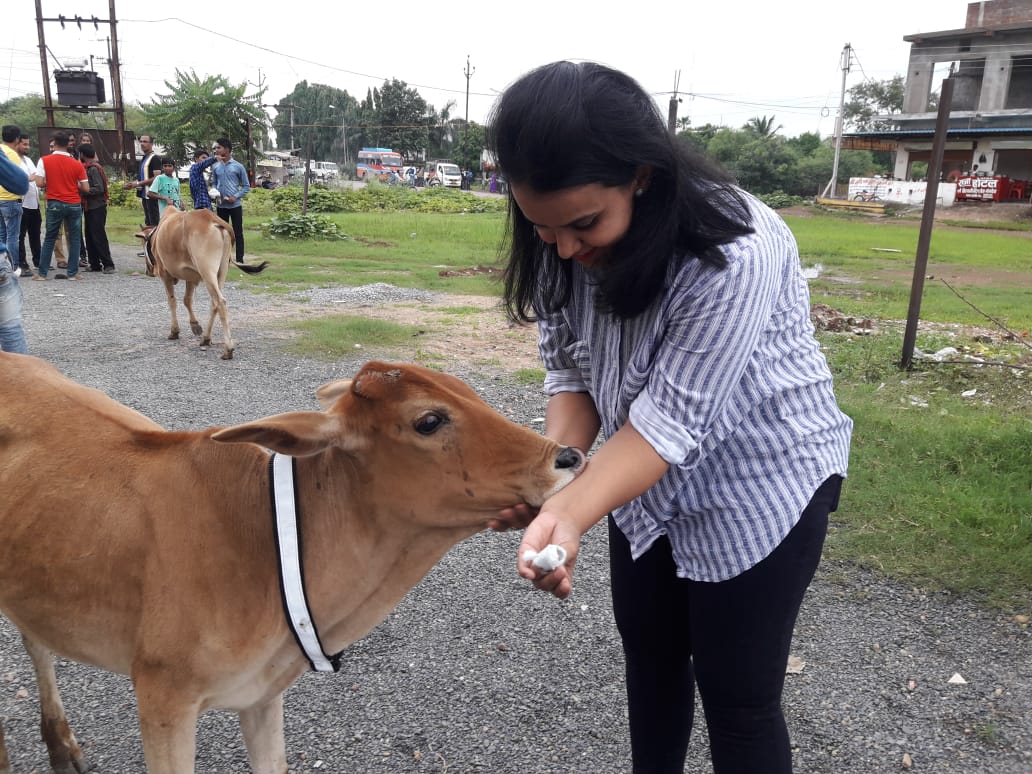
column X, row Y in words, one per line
column 940, row 485
column 330, row 336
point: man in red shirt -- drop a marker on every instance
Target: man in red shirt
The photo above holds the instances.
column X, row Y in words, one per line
column 65, row 180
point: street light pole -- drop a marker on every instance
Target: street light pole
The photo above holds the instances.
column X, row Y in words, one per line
column 343, row 131
column 468, row 72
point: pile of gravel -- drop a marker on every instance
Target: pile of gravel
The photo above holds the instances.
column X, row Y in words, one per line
column 475, row 671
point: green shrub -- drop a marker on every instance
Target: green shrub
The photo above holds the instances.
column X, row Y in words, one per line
column 777, row 200
column 376, row 197
column 299, row 226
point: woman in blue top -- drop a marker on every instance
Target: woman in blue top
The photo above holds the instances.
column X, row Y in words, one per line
column 673, row 316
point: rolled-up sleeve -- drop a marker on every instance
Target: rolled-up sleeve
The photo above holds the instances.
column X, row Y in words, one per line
column 556, row 344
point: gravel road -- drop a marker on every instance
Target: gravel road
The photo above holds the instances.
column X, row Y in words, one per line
column 476, row 671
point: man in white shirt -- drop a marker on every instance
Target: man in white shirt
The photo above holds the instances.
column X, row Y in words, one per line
column 32, row 221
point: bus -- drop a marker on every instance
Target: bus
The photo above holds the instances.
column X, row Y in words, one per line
column 378, row 161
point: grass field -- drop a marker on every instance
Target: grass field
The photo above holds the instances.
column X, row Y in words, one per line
column 940, row 486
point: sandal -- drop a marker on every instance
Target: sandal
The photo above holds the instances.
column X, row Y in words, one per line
column 40, row 278
column 75, row 277
column 62, row 264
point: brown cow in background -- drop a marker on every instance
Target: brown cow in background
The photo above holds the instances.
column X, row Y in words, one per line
column 195, row 247
column 156, row 555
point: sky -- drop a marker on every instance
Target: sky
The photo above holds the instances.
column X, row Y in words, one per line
column 728, row 61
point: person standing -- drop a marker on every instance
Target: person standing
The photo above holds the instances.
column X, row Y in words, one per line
column 673, row 316
column 94, row 212
column 31, row 223
column 166, row 189
column 147, row 173
column 198, row 183
column 230, row 179
column 12, row 331
column 65, row 180
column 11, row 202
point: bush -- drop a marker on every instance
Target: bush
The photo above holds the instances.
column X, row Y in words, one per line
column 376, row 197
column 777, row 200
column 299, row 226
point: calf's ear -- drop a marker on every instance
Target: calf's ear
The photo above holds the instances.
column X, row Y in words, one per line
column 328, row 394
column 298, row 433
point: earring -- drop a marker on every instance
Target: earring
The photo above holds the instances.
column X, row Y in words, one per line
column 638, row 192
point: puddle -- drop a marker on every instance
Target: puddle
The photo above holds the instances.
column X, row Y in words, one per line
column 813, row 272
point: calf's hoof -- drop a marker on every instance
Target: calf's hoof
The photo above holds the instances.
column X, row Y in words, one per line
column 227, row 355
column 196, row 328
column 173, row 335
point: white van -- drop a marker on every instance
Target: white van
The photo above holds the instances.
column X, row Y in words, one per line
column 324, row 170
column 444, row 173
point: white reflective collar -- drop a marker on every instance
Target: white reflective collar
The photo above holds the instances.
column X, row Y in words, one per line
column 287, row 525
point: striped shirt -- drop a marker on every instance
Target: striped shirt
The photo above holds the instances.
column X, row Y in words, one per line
column 723, row 377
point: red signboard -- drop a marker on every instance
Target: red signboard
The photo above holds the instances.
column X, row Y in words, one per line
column 991, row 189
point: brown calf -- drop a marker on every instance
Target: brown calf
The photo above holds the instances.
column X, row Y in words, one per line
column 195, row 247
column 155, row 554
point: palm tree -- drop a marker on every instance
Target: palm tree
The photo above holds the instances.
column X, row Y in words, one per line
column 762, row 126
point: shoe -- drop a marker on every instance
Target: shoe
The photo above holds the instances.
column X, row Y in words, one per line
column 62, row 264
column 60, row 275
column 108, row 269
column 93, row 268
column 26, row 271
column 75, row 277
column 84, row 264
column 40, row 278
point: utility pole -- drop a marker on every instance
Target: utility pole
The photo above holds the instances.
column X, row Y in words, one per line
column 468, row 72
column 924, row 238
column 672, row 109
column 847, row 57
column 126, row 157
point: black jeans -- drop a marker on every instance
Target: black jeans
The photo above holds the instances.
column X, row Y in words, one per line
column 151, row 212
column 31, row 226
column 95, row 226
column 731, row 638
column 235, row 217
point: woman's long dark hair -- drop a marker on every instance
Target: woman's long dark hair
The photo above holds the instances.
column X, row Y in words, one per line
column 568, row 124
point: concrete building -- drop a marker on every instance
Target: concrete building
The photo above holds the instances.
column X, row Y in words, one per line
column 990, row 126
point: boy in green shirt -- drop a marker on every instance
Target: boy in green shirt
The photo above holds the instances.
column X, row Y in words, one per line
column 165, row 187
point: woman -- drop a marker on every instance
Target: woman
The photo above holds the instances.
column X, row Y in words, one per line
column 673, row 316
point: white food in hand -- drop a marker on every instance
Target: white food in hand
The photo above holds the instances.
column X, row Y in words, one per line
column 547, row 559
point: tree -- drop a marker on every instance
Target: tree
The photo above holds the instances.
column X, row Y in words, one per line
column 470, row 146
column 761, row 126
column 319, row 112
column 197, row 111
column 871, row 99
column 404, row 118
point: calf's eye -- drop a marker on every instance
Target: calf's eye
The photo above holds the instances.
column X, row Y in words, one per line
column 429, row 424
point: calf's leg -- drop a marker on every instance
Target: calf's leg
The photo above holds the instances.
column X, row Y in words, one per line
column 65, row 754
column 5, row 763
column 221, row 308
column 195, row 325
column 170, row 296
column 262, row 726
column 168, row 723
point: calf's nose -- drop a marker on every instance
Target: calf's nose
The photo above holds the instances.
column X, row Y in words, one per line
column 569, row 457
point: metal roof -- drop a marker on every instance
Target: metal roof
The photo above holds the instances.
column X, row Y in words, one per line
column 901, row 134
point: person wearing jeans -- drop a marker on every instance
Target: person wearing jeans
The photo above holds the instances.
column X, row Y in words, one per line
column 10, row 202
column 65, row 179
column 12, row 332
column 230, row 178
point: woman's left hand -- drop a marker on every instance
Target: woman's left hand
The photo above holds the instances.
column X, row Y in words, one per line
column 516, row 517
